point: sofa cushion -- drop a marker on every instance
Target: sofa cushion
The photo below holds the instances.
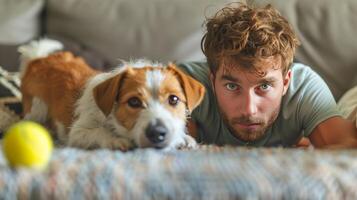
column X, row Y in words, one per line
column 19, row 23
column 19, row 20
column 121, row 29
column 327, row 30
column 92, row 58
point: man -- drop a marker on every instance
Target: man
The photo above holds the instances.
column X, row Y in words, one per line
column 255, row 95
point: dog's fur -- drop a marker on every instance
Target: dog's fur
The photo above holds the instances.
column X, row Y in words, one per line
column 139, row 104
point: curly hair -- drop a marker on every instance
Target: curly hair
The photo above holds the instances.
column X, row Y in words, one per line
column 239, row 31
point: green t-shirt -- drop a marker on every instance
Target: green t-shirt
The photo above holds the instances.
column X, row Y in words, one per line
column 307, row 103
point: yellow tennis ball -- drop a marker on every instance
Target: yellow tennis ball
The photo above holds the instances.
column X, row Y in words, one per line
column 27, row 144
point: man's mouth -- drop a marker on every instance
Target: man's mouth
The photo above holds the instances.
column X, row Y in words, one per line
column 248, row 125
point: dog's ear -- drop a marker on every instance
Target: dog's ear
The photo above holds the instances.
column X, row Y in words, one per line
column 193, row 89
column 105, row 93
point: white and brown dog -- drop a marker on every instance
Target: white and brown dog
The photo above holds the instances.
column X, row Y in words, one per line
column 140, row 104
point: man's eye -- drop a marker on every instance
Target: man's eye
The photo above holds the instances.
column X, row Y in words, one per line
column 173, row 100
column 135, row 102
column 231, row 86
column 264, row 87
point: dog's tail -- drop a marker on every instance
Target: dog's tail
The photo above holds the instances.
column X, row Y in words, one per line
column 37, row 49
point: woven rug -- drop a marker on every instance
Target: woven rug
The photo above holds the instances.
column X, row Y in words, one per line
column 207, row 173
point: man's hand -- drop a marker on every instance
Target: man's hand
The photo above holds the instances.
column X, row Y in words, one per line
column 304, row 143
column 335, row 133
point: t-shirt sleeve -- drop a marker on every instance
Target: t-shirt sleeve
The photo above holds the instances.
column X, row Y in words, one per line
column 317, row 102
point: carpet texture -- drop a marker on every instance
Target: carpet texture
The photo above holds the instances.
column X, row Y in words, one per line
column 207, row 173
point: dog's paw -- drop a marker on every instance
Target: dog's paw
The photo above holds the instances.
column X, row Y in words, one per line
column 188, row 142
column 122, row 144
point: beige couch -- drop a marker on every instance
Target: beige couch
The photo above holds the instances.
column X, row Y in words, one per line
column 104, row 31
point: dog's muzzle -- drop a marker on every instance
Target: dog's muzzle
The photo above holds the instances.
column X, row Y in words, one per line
column 156, row 132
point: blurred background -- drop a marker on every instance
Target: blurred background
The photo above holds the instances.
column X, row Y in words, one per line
column 104, row 31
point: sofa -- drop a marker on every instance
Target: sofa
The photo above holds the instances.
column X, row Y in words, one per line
column 105, row 31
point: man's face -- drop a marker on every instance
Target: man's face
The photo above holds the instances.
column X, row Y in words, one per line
column 249, row 103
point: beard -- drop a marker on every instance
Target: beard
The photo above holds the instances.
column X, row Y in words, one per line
column 250, row 135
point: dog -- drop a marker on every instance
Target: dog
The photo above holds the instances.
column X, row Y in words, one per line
column 139, row 104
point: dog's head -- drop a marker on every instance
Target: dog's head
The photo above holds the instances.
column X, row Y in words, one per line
column 150, row 103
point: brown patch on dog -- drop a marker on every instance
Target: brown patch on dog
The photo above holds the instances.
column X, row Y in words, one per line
column 58, row 81
column 132, row 86
column 105, row 93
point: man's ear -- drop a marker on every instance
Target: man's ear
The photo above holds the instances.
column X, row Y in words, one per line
column 105, row 93
column 286, row 81
column 193, row 89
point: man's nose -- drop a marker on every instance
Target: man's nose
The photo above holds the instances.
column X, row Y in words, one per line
column 249, row 104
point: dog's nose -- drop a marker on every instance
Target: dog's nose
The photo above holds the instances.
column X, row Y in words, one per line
column 156, row 132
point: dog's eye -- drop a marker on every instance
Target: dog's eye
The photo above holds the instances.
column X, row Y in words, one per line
column 173, row 100
column 135, row 102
